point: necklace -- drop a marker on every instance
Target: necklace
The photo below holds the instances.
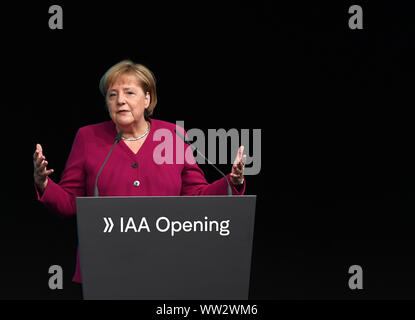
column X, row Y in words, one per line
column 138, row 138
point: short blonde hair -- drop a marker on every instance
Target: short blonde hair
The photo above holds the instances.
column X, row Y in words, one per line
column 145, row 78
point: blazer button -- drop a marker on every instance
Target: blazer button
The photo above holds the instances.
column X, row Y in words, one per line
column 135, row 165
column 136, row 183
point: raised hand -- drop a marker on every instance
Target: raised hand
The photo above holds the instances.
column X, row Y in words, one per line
column 40, row 173
column 237, row 174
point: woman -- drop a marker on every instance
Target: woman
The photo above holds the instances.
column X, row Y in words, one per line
column 130, row 93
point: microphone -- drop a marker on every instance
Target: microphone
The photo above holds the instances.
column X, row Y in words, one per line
column 203, row 156
column 116, row 140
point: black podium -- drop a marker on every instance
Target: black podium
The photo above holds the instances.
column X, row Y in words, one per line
column 173, row 248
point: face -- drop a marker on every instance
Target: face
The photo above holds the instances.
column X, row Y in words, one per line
column 127, row 101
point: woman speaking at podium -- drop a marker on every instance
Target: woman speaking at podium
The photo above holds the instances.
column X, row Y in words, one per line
column 131, row 170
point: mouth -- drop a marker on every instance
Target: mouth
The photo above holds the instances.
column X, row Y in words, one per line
column 122, row 111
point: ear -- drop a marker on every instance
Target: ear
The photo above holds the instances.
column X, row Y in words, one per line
column 147, row 100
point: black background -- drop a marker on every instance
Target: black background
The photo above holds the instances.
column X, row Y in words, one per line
column 336, row 186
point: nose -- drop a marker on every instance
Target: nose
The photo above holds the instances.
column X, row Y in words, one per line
column 121, row 99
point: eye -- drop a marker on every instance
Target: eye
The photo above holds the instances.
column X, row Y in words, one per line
column 111, row 95
column 130, row 92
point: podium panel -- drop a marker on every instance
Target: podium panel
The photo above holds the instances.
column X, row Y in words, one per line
column 167, row 248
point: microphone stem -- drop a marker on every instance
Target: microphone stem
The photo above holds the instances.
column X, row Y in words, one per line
column 229, row 185
column 117, row 139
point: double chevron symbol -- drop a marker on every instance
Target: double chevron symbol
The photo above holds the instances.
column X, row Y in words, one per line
column 108, row 224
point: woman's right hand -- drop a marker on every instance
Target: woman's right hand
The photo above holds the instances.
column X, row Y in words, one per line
column 40, row 172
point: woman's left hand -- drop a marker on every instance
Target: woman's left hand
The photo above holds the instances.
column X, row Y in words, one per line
column 237, row 174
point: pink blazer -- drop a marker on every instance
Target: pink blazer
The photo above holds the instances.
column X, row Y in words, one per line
column 125, row 173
